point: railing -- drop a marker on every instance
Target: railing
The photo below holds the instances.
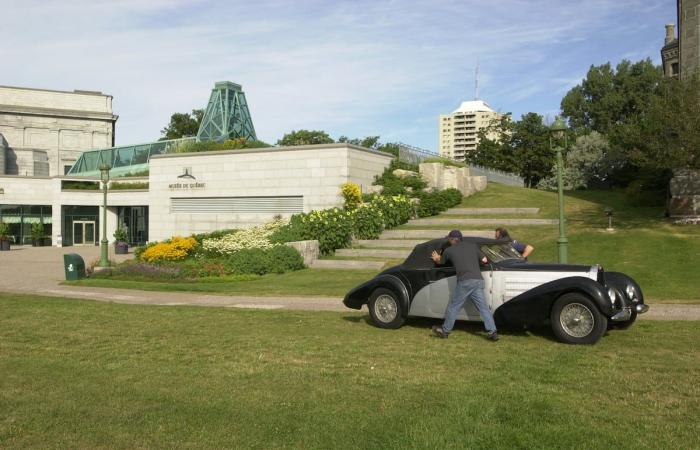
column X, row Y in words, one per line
column 415, row 155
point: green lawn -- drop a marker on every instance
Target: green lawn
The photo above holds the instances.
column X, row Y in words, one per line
column 307, row 282
column 79, row 374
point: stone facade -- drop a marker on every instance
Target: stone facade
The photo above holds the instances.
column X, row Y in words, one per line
column 689, row 36
column 685, row 193
column 61, row 124
column 441, row 176
column 201, row 192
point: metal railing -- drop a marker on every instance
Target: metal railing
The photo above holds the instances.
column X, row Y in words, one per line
column 414, row 155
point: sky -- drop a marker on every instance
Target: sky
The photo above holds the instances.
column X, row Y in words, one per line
column 353, row 68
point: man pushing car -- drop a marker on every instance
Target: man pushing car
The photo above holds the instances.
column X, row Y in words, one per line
column 464, row 256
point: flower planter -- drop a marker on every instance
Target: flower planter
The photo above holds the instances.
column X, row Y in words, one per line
column 121, row 248
column 4, row 246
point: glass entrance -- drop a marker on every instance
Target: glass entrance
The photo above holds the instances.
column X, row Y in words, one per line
column 83, row 232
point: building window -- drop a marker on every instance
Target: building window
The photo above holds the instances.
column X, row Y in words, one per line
column 674, row 68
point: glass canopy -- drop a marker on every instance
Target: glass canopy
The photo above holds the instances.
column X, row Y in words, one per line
column 124, row 161
column 226, row 117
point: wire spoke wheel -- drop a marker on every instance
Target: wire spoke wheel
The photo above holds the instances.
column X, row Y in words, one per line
column 577, row 320
column 385, row 308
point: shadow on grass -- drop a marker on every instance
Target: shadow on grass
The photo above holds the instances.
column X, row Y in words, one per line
column 473, row 328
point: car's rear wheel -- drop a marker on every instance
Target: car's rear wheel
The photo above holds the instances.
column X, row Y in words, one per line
column 575, row 319
column 385, row 309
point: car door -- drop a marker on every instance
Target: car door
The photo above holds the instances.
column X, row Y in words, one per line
column 432, row 300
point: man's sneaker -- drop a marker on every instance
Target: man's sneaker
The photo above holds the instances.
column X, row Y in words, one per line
column 493, row 336
column 439, row 332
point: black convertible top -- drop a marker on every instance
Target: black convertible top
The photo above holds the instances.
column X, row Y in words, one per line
column 420, row 256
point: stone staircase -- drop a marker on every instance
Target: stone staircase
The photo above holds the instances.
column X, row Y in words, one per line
column 397, row 244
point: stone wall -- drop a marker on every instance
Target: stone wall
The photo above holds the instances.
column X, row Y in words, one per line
column 63, row 124
column 685, row 193
column 309, row 250
column 689, row 35
column 441, row 176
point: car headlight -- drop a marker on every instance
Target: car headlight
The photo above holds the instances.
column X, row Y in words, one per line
column 612, row 295
column 631, row 293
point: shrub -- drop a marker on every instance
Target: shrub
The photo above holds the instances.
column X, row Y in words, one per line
column 139, row 270
column 277, row 259
column 293, row 231
column 213, row 234
column 368, row 221
column 332, row 227
column 255, row 237
column 393, row 185
column 445, row 161
column 120, row 235
column 396, row 210
column 176, row 249
column 132, row 185
column 231, row 144
column 352, row 194
column 452, row 197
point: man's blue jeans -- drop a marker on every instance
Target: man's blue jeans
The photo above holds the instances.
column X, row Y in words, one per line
column 473, row 290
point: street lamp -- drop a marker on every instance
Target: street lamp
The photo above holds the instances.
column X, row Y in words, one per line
column 557, row 132
column 104, row 176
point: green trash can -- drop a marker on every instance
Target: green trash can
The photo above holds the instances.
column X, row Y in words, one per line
column 74, row 266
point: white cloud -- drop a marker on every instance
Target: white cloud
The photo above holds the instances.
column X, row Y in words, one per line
column 370, row 67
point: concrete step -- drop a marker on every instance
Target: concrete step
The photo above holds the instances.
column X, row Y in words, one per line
column 373, row 252
column 492, row 222
column 346, row 264
column 479, row 211
column 425, row 235
column 388, row 243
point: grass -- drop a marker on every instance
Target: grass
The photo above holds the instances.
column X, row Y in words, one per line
column 80, row 374
column 307, row 282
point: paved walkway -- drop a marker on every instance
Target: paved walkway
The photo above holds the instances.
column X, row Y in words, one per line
column 39, row 271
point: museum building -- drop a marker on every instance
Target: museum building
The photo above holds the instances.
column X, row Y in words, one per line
column 53, row 143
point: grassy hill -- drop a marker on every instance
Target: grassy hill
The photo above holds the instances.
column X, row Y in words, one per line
column 661, row 256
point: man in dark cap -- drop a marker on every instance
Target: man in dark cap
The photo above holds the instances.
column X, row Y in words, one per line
column 464, row 256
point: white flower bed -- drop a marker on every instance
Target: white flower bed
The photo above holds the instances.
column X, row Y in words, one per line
column 255, row 237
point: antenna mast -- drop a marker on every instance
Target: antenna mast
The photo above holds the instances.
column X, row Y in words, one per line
column 476, row 80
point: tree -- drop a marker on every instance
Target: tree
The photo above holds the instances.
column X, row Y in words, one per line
column 669, row 136
column 305, row 137
column 609, row 98
column 521, row 147
column 494, row 149
column 183, row 125
column 584, row 164
column 367, row 142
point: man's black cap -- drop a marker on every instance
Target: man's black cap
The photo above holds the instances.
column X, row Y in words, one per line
column 455, row 234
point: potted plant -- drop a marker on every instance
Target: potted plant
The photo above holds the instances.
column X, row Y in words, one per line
column 37, row 234
column 121, row 246
column 4, row 237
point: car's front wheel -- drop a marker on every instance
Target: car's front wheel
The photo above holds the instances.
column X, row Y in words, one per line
column 385, row 309
column 575, row 319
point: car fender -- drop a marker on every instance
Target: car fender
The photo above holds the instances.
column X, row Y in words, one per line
column 360, row 295
column 619, row 282
column 534, row 306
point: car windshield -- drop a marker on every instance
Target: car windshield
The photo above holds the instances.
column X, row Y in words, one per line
column 500, row 252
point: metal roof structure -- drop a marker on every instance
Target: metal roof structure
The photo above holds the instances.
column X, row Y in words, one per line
column 226, row 117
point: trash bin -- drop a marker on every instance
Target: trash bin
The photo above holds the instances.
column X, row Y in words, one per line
column 74, row 266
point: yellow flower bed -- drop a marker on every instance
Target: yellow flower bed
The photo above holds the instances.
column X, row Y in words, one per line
column 177, row 248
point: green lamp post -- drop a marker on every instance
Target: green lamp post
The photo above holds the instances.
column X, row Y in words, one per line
column 557, row 132
column 104, row 255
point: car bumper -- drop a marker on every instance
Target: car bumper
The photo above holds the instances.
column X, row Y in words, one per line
column 626, row 313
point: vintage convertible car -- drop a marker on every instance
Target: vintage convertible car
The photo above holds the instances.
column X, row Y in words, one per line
column 580, row 303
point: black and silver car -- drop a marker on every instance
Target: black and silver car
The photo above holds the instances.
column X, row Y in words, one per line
column 580, row 303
